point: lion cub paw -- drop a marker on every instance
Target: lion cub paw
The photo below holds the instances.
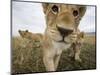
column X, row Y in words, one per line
column 78, row 59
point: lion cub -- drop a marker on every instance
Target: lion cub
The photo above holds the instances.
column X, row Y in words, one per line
column 31, row 36
column 76, row 46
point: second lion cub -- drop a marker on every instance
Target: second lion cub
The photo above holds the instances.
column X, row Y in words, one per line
column 31, row 36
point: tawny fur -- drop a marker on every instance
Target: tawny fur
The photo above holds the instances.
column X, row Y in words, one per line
column 66, row 17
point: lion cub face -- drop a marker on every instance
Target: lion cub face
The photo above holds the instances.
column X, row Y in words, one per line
column 62, row 20
column 25, row 34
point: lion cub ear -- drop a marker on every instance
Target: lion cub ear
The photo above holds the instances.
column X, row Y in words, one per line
column 19, row 31
column 45, row 7
column 82, row 10
column 26, row 30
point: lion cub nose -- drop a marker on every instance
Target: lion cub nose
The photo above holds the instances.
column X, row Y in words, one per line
column 64, row 32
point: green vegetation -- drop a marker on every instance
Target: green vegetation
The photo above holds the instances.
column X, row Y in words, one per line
column 27, row 57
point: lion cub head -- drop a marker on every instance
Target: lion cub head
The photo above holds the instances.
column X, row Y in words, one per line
column 29, row 35
column 62, row 20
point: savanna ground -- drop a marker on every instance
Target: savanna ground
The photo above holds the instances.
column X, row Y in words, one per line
column 27, row 56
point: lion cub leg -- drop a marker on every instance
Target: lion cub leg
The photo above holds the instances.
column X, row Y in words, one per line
column 72, row 51
column 48, row 61
column 56, row 60
column 79, row 43
column 49, row 64
column 77, row 53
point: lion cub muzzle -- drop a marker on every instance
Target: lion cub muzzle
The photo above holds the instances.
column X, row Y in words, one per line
column 64, row 32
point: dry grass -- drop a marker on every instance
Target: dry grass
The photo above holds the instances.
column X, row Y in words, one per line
column 90, row 39
column 27, row 57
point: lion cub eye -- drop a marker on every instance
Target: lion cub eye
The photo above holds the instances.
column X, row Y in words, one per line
column 55, row 9
column 75, row 13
